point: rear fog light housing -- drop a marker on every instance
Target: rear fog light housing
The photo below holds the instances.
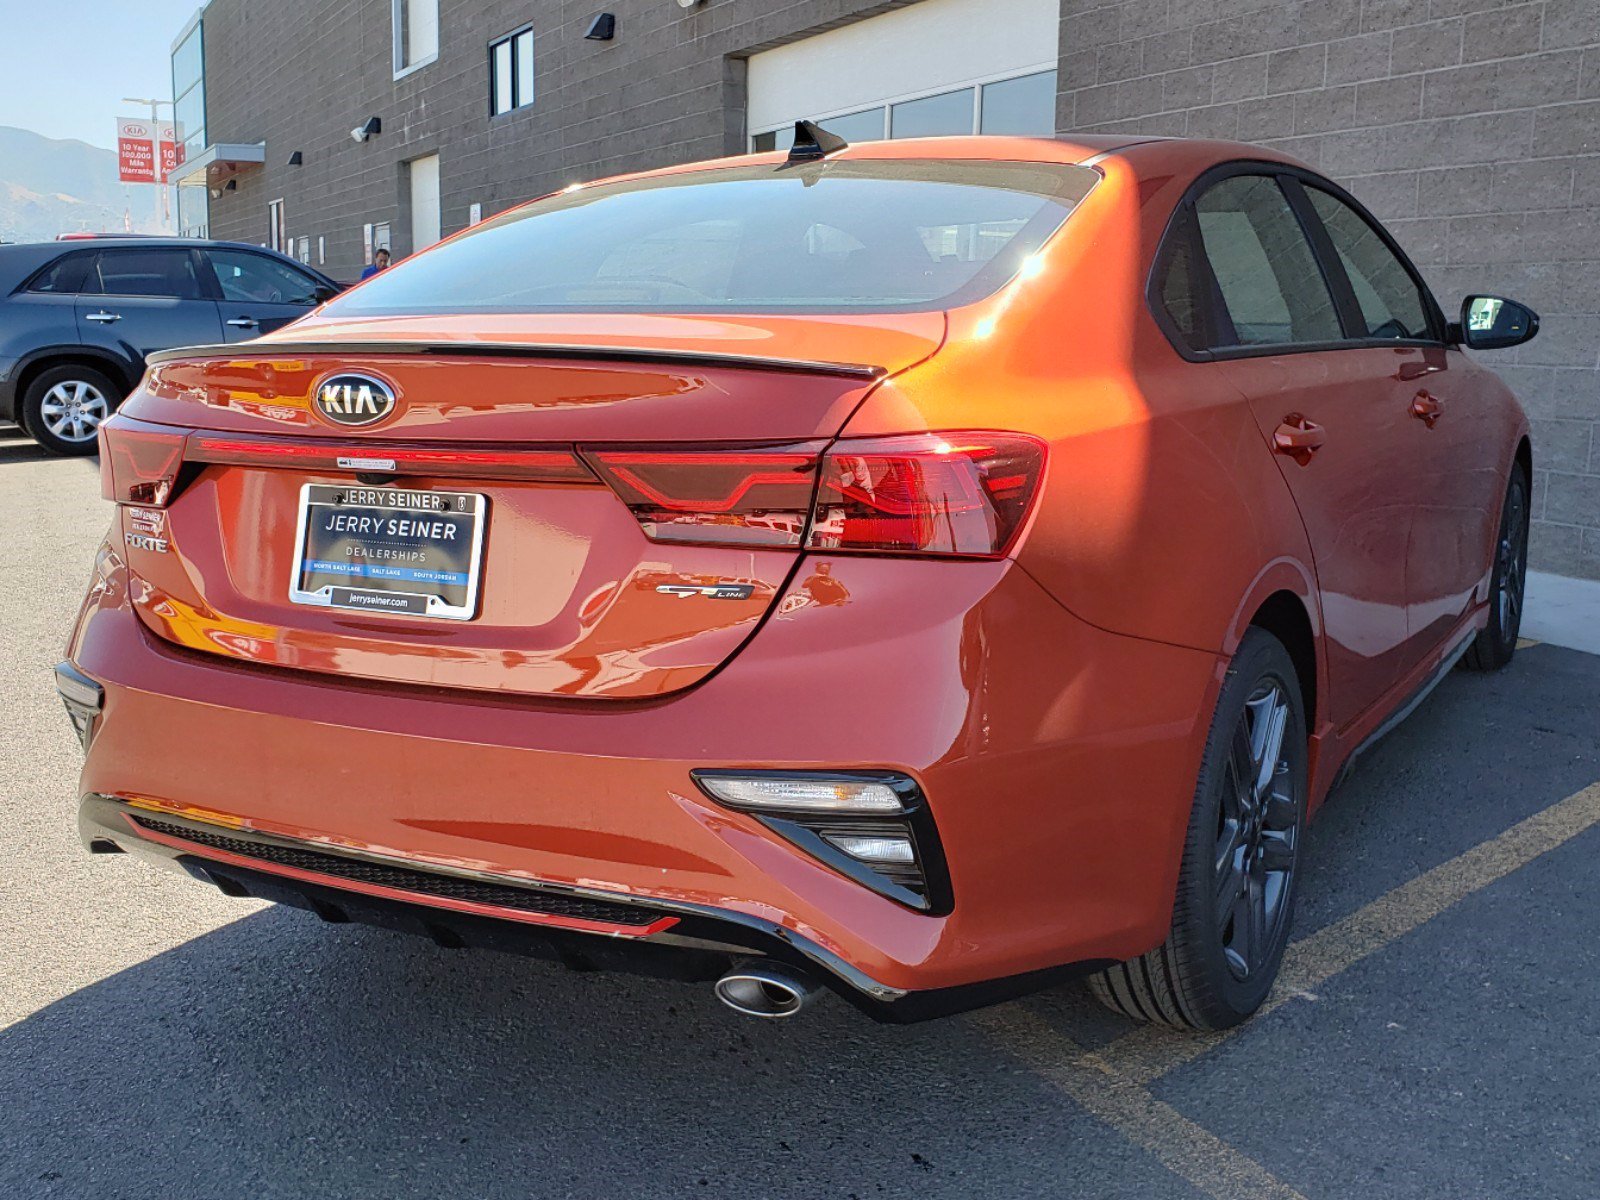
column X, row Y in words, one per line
column 83, row 698
column 871, row 826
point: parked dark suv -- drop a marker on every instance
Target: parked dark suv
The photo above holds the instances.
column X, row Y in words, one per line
column 78, row 318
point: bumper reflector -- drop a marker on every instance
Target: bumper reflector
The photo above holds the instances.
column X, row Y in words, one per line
column 83, row 697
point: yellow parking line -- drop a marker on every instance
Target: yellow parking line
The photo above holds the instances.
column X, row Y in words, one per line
column 1179, row 1144
column 1150, row 1052
column 1112, row 1082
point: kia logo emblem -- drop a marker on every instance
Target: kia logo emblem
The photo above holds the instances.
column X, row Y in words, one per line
column 354, row 399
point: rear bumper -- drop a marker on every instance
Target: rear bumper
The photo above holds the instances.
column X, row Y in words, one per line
column 1058, row 762
column 661, row 938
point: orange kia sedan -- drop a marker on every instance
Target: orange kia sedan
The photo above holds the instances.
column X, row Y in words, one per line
column 924, row 570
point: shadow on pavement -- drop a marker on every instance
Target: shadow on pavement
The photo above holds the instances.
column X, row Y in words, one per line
column 20, row 448
column 278, row 1057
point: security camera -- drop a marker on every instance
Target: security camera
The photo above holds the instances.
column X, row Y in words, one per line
column 366, row 129
column 358, row 134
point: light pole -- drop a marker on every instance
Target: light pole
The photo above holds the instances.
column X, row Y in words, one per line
column 155, row 141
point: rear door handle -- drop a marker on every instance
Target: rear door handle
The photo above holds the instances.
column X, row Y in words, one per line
column 243, row 322
column 1427, row 408
column 1298, row 438
column 104, row 318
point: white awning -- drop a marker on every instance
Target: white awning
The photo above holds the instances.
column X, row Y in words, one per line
column 218, row 163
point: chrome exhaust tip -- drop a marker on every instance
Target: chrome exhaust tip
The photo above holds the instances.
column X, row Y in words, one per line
column 766, row 989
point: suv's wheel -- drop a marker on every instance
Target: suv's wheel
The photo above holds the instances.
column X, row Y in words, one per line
column 62, row 409
column 1236, row 887
column 1497, row 642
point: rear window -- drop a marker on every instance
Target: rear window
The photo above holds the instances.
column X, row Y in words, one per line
column 167, row 273
column 841, row 236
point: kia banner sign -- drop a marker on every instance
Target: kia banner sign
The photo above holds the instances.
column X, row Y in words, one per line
column 171, row 150
column 136, row 151
column 146, row 152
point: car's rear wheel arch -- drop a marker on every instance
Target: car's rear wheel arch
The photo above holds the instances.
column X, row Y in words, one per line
column 1283, row 614
column 106, row 364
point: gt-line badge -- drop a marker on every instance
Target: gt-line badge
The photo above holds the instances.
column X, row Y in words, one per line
column 721, row 591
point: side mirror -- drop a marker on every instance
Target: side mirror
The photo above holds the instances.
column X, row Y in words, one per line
column 323, row 293
column 1493, row 323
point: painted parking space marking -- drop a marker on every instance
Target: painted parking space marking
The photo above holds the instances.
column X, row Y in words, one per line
column 1112, row 1082
column 1184, row 1147
column 1150, row 1052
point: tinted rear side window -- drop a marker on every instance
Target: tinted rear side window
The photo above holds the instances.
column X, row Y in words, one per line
column 168, row 273
column 64, row 276
column 1391, row 303
column 1271, row 287
column 1179, row 284
column 846, row 235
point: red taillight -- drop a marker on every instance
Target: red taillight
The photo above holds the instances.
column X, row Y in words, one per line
column 139, row 462
column 961, row 494
column 746, row 497
column 937, row 493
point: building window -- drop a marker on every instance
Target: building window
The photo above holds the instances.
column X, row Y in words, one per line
column 941, row 115
column 416, row 34
column 1017, row 104
column 189, row 125
column 1024, row 106
column 189, row 91
column 511, row 72
column 277, row 230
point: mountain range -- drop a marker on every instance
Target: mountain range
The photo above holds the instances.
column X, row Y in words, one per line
column 50, row 186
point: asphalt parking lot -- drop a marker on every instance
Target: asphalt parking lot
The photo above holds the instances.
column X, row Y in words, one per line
column 1437, row 1033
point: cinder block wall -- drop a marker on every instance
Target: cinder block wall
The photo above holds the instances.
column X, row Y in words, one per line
column 300, row 74
column 1472, row 128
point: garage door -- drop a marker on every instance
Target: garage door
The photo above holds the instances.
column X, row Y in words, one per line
column 935, row 67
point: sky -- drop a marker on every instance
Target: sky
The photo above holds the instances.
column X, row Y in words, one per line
column 66, row 73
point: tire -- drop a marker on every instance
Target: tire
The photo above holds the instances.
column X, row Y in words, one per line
column 63, row 407
column 1495, row 644
column 1217, row 965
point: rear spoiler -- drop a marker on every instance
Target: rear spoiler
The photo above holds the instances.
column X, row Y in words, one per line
column 688, row 358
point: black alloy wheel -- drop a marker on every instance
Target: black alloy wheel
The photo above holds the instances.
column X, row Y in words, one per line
column 1236, row 886
column 1258, row 834
column 1497, row 642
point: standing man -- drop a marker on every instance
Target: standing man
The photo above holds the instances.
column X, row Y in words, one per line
column 380, row 260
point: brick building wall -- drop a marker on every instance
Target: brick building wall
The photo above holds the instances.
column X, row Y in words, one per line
column 1470, row 127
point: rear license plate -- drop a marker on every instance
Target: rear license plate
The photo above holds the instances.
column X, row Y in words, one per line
column 417, row 553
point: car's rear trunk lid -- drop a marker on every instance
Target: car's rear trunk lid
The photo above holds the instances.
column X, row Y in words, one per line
column 570, row 597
